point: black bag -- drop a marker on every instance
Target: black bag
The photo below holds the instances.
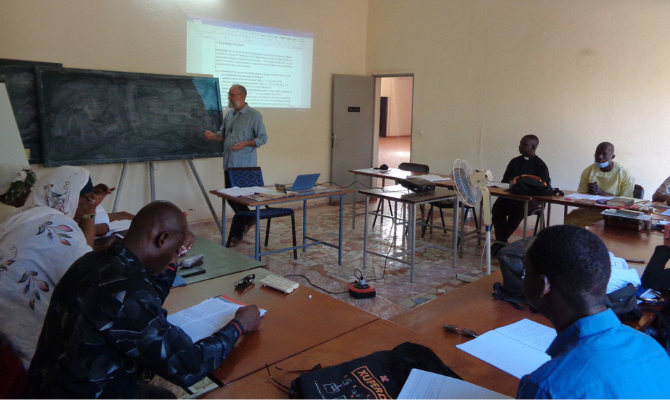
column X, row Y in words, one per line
column 624, row 303
column 380, row 375
column 660, row 327
column 531, row 185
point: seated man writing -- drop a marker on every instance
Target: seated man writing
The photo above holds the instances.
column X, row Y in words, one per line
column 106, row 325
column 507, row 214
column 605, row 177
column 594, row 356
column 662, row 194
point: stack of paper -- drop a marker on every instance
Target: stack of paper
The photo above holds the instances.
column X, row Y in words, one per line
column 517, row 349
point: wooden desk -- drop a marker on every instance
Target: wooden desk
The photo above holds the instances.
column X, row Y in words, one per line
column 375, row 336
column 258, row 202
column 401, row 195
column 293, row 323
column 628, row 243
column 471, row 306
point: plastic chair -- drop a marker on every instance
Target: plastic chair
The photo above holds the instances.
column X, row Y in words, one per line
column 406, row 166
column 638, row 192
column 246, row 177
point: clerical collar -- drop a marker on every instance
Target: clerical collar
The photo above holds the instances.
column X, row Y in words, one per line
column 526, row 158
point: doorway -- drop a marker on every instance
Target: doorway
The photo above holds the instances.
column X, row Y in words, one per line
column 394, row 125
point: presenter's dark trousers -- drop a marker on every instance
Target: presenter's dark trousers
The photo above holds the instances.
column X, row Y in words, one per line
column 239, row 221
column 506, row 216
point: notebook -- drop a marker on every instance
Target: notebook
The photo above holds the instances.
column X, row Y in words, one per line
column 303, row 182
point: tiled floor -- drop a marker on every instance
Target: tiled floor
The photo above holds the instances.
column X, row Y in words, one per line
column 434, row 274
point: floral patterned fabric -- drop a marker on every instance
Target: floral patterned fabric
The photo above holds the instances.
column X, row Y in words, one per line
column 37, row 246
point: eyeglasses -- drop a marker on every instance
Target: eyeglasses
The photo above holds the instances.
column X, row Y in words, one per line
column 234, row 94
column 245, row 282
column 296, row 371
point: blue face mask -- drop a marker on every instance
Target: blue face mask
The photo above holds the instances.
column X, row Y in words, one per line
column 604, row 165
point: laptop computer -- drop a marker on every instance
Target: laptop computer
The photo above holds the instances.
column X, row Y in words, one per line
column 303, row 182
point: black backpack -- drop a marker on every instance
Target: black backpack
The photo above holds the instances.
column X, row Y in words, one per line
column 380, row 375
column 531, row 185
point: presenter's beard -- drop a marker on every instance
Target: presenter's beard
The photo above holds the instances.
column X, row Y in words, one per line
column 231, row 104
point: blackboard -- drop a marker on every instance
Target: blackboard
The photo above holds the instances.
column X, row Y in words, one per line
column 22, row 90
column 104, row 117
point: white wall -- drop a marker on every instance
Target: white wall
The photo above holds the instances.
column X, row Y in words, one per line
column 150, row 36
column 399, row 92
column 573, row 72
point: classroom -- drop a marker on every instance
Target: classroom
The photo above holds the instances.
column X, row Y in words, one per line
column 575, row 73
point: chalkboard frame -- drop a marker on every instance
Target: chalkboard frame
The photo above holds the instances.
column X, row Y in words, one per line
column 129, row 115
column 24, row 102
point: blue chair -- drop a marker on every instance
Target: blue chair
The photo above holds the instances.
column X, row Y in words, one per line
column 247, row 177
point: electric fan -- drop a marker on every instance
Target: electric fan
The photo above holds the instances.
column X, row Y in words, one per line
column 471, row 187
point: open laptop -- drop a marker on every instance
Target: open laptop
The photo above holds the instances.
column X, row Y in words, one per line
column 303, row 183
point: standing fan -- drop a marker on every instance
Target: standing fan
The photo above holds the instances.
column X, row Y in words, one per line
column 471, row 187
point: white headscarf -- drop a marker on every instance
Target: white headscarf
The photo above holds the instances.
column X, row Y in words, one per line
column 58, row 190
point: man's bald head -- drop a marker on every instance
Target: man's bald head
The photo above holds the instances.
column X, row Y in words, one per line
column 605, row 146
column 156, row 234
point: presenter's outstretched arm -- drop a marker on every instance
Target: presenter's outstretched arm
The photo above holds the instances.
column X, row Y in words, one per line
column 209, row 135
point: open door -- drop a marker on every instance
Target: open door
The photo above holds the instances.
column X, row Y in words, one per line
column 352, row 139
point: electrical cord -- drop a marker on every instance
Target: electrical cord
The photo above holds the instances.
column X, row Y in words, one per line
column 318, row 287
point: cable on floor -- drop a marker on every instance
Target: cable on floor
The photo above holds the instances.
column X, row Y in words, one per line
column 318, row 287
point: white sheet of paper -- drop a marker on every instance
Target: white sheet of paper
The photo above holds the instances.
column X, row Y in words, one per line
column 120, row 225
column 666, row 213
column 435, row 178
column 245, row 191
column 206, row 318
column 428, row 385
column 517, row 349
column 586, row 196
column 498, row 184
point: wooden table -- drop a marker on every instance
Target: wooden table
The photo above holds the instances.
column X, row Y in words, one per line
column 627, row 243
column 401, row 195
column 375, row 336
column 259, row 201
column 294, row 322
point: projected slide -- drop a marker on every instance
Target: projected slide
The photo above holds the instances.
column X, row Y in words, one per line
column 275, row 65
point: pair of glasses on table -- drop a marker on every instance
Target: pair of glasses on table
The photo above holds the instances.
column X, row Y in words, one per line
column 295, row 371
column 245, row 282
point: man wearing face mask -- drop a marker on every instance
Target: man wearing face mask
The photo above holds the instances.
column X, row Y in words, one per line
column 605, row 177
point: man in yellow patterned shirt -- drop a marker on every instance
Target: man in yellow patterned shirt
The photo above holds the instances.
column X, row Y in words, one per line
column 605, row 177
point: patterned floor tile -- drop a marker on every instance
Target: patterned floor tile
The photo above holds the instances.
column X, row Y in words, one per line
column 434, row 274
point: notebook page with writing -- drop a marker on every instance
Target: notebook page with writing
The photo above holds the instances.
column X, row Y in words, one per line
column 517, row 349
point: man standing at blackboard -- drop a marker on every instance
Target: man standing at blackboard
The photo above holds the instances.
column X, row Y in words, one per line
column 242, row 132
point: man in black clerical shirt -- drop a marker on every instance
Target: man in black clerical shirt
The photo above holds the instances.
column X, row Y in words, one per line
column 106, row 325
column 507, row 214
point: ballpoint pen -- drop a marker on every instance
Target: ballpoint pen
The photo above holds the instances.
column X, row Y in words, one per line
column 460, row 331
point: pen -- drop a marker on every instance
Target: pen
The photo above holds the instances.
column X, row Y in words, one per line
column 464, row 332
column 635, row 261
